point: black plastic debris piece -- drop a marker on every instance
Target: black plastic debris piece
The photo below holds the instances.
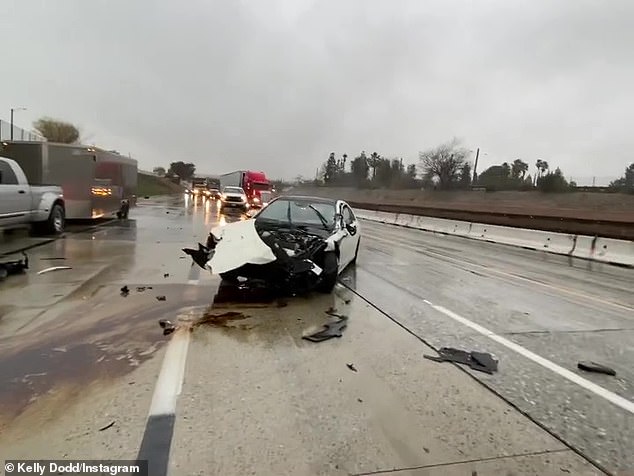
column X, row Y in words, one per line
column 109, row 425
column 125, row 291
column 333, row 312
column 330, row 330
column 351, row 367
column 199, row 256
column 166, row 275
column 589, row 366
column 481, row 361
column 161, row 298
column 140, row 289
column 167, row 326
column 359, row 400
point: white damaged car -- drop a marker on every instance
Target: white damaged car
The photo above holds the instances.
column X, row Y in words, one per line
column 295, row 244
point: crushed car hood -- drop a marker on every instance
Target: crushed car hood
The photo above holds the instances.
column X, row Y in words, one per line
column 238, row 244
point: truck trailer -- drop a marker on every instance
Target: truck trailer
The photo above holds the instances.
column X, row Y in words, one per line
column 96, row 183
column 253, row 183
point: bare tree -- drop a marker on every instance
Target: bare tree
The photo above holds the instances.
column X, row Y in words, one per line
column 57, row 131
column 445, row 161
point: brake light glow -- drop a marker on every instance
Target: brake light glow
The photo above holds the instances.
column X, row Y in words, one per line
column 102, row 191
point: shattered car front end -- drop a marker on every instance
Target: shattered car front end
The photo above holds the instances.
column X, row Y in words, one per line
column 287, row 259
column 293, row 245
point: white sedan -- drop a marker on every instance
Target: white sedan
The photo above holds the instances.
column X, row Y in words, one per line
column 295, row 244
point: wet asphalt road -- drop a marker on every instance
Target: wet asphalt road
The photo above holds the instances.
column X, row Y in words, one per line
column 254, row 398
column 563, row 311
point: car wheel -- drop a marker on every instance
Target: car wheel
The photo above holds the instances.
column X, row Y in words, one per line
column 329, row 273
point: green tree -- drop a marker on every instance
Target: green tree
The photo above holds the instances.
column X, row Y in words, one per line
column 374, row 163
column 331, row 169
column 184, row 170
column 57, row 131
column 519, row 168
column 553, row 182
column 444, row 162
column 360, row 168
column 160, row 171
column 465, row 176
column 625, row 183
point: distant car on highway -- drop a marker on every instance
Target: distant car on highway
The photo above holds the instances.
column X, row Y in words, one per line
column 40, row 206
column 234, row 197
column 214, row 194
column 294, row 244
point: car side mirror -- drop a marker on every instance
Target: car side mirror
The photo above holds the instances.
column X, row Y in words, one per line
column 352, row 229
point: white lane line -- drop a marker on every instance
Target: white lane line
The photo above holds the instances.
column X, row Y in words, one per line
column 170, row 380
column 565, row 373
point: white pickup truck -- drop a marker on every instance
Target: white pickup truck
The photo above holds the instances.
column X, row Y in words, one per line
column 41, row 207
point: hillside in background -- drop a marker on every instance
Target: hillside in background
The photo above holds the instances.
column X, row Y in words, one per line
column 151, row 185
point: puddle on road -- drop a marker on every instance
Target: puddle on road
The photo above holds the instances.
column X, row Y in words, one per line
column 90, row 344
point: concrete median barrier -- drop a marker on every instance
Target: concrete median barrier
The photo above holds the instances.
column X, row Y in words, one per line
column 605, row 250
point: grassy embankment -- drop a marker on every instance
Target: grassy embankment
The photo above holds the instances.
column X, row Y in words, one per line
column 149, row 185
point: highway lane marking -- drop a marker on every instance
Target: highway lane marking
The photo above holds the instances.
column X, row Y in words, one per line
column 170, row 380
column 464, row 264
column 565, row 373
column 159, row 429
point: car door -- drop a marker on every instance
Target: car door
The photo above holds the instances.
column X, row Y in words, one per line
column 15, row 199
column 348, row 245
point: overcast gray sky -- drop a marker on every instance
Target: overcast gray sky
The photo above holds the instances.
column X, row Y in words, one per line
column 277, row 85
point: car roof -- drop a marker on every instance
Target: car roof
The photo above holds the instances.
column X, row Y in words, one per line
column 305, row 198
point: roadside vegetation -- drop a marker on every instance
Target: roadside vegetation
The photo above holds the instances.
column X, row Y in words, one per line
column 448, row 166
column 150, row 185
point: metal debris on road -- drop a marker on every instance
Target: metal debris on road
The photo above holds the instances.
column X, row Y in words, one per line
column 125, row 291
column 594, row 367
column 14, row 267
column 351, row 367
column 330, row 330
column 109, row 425
column 481, row 361
column 333, row 312
column 54, row 268
column 161, row 298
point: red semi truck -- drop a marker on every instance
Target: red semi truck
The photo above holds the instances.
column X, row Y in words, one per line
column 253, row 183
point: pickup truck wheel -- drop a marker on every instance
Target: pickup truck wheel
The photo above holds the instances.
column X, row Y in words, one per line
column 56, row 219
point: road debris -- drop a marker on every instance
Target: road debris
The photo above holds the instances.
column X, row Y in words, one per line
column 481, row 361
column 167, row 326
column 352, row 367
column 52, row 259
column 166, row 275
column 334, row 313
column 109, row 425
column 589, row 366
column 330, row 330
column 161, row 298
column 14, row 267
column 53, row 268
column 125, row 291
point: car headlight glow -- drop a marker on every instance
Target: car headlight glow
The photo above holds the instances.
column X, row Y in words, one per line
column 243, row 197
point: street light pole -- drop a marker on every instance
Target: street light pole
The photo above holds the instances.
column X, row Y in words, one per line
column 15, row 109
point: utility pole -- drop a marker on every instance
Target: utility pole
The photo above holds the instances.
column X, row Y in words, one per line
column 475, row 167
column 15, row 109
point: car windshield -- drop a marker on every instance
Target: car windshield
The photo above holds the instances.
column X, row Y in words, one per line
column 233, row 190
column 300, row 212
